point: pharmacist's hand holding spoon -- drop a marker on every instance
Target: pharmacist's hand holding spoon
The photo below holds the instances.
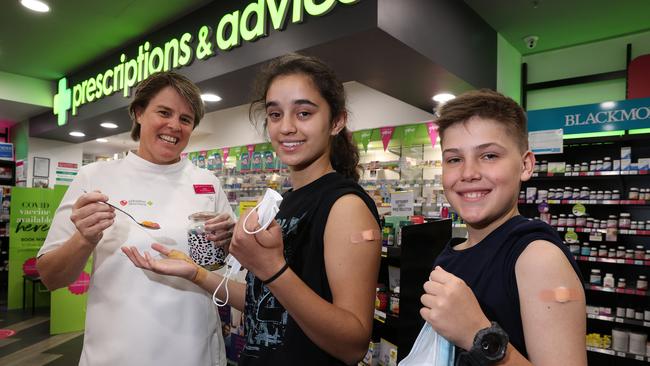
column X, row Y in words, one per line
column 91, row 216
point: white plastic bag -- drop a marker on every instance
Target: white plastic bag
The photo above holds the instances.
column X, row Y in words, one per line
column 430, row 349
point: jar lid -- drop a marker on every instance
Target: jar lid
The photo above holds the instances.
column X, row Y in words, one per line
column 607, row 158
column 642, row 277
column 621, row 247
column 626, row 214
column 612, row 216
column 562, row 215
column 634, row 189
column 609, row 275
column 595, row 270
column 615, row 191
column 599, row 161
column 621, row 279
column 629, row 250
column 583, row 163
column 639, row 246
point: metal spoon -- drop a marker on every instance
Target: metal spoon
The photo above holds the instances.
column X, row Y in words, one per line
column 146, row 224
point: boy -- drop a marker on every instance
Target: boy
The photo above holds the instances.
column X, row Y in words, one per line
column 489, row 293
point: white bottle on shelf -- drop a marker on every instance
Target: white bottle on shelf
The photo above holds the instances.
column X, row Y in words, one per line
column 608, row 281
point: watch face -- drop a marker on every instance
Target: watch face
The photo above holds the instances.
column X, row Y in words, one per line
column 492, row 345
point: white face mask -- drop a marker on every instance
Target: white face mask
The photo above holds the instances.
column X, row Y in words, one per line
column 266, row 211
column 430, row 349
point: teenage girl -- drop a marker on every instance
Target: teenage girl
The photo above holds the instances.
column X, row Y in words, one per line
column 312, row 273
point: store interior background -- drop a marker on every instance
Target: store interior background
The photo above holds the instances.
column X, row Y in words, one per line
column 575, row 38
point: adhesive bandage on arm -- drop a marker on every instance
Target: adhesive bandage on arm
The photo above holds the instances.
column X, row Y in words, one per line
column 365, row 236
column 560, row 294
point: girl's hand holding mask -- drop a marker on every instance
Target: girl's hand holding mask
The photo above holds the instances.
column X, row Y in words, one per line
column 261, row 253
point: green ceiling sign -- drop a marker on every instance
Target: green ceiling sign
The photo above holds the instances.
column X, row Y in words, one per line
column 246, row 25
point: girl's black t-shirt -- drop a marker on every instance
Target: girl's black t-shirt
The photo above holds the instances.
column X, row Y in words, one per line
column 488, row 268
column 272, row 336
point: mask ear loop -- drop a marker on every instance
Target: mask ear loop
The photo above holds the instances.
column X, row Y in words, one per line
column 261, row 228
column 231, row 262
column 224, row 281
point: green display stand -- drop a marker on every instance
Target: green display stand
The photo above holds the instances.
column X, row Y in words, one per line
column 31, row 213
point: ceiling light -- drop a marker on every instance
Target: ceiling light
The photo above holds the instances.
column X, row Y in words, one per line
column 443, row 97
column 77, row 134
column 101, row 140
column 210, row 98
column 35, row 5
column 108, row 125
column 607, row 105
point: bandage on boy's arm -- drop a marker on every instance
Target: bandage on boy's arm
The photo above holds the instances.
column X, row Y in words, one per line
column 201, row 273
column 370, row 235
column 560, row 294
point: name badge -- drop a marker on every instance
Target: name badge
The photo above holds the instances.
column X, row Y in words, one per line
column 204, row 189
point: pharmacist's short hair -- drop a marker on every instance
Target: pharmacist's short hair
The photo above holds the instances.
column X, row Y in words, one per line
column 148, row 88
column 488, row 104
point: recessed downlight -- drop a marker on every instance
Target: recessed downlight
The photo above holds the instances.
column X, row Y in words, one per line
column 101, row 140
column 35, row 5
column 108, row 125
column 210, row 97
column 77, row 134
column 443, row 97
column 608, row 105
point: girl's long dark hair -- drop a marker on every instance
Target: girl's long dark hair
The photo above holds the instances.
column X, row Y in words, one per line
column 344, row 155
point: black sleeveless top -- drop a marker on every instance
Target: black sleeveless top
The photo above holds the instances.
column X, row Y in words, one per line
column 272, row 336
column 488, row 268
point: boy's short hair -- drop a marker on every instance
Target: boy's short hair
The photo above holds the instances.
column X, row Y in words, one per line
column 488, row 104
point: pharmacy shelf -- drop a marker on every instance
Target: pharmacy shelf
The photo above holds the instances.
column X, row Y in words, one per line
column 611, row 173
column 637, row 262
column 384, row 318
column 626, row 291
column 587, row 202
column 619, row 320
column 611, row 352
column 593, row 230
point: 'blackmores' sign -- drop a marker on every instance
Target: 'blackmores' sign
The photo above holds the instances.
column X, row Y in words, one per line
column 249, row 24
column 609, row 116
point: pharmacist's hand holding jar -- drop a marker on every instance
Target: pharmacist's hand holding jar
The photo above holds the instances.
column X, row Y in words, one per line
column 261, row 253
column 91, row 216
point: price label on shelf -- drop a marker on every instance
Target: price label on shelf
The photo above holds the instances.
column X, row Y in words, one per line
column 620, row 354
column 619, row 320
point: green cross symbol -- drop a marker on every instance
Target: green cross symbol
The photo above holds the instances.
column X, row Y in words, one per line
column 62, row 102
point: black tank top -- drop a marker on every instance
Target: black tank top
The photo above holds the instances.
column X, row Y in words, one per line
column 488, row 268
column 272, row 336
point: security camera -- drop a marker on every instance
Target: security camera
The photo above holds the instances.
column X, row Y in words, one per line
column 531, row 42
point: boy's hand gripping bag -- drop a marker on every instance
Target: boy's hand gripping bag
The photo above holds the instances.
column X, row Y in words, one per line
column 430, row 349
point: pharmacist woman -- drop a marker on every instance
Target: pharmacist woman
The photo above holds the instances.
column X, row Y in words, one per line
column 309, row 293
column 136, row 317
